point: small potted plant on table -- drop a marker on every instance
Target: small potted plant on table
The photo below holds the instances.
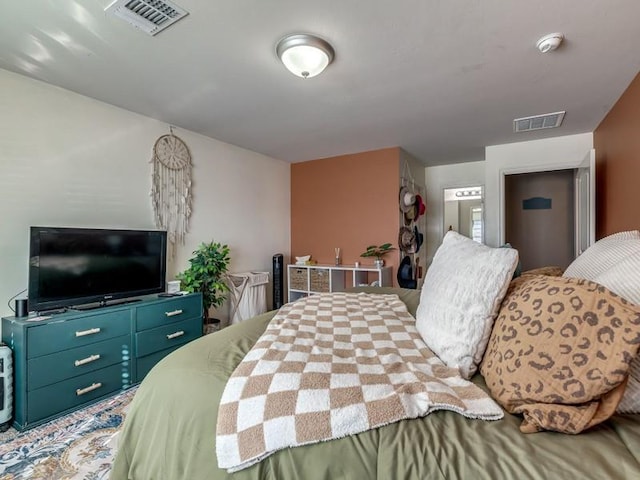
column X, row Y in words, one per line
column 207, row 274
column 378, row 251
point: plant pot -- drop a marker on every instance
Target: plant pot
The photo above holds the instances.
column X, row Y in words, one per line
column 378, row 263
column 211, row 325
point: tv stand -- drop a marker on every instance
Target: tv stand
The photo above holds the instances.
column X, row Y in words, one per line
column 102, row 304
column 64, row 362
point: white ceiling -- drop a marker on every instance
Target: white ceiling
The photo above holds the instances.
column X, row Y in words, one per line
column 440, row 78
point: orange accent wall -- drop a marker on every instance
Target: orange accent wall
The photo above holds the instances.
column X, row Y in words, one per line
column 617, row 144
column 350, row 202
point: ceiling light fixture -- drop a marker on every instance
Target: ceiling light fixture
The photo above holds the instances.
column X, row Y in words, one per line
column 550, row 42
column 304, row 55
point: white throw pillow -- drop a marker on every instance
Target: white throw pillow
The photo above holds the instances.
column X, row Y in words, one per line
column 623, row 278
column 602, row 255
column 460, row 298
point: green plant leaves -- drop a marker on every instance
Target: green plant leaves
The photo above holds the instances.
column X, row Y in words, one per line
column 377, row 251
column 206, row 274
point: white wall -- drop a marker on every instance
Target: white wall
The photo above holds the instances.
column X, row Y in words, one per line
column 69, row 160
column 557, row 153
column 437, row 179
column 451, row 215
column 536, row 155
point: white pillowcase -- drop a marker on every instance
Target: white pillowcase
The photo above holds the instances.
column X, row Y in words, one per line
column 460, row 298
column 614, row 262
column 602, row 255
column 623, row 278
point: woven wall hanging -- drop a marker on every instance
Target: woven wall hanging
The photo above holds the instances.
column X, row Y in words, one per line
column 171, row 187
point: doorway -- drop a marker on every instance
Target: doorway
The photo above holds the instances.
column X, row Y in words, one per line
column 464, row 212
column 540, row 217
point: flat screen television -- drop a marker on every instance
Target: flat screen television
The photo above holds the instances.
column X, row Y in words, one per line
column 76, row 266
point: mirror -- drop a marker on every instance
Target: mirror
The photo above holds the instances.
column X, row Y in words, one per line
column 464, row 211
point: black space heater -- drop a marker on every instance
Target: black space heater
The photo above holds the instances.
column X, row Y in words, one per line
column 278, row 281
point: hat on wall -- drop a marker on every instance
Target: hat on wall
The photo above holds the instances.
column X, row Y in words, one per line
column 411, row 215
column 406, row 198
column 421, row 206
column 419, row 238
column 405, row 274
column 406, row 240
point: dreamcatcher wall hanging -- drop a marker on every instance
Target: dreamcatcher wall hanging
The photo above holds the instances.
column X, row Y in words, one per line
column 171, row 187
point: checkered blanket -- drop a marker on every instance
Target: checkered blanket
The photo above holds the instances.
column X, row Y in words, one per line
column 333, row 365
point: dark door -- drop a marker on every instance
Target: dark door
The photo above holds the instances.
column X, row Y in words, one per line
column 540, row 217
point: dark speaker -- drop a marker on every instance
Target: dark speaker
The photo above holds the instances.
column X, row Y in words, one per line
column 278, row 280
column 21, row 307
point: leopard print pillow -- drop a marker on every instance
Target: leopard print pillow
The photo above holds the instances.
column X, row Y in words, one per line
column 559, row 352
column 552, row 271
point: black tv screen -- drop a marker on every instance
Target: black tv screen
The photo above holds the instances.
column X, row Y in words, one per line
column 75, row 266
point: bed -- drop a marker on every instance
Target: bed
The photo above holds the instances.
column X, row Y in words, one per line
column 170, row 432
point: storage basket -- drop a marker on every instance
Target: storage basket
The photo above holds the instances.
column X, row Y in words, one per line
column 247, row 294
column 298, row 278
column 319, row 280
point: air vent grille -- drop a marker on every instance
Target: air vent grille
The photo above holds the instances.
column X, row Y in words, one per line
column 150, row 16
column 538, row 122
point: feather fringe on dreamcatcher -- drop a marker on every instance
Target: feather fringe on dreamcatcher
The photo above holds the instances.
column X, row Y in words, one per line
column 171, row 187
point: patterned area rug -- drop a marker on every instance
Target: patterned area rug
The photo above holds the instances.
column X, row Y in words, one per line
column 78, row 446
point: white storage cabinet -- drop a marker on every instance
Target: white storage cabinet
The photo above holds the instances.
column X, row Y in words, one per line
column 304, row 280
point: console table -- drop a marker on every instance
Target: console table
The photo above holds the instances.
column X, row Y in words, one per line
column 67, row 360
column 304, row 280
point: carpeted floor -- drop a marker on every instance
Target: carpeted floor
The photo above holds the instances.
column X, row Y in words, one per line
column 78, row 446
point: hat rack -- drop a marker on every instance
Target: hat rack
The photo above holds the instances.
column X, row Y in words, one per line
column 407, row 180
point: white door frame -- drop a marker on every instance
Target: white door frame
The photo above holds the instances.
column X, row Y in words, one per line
column 585, row 224
column 503, row 172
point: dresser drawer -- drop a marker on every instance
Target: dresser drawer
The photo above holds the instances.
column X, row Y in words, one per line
column 56, row 336
column 48, row 369
column 146, row 363
column 53, row 399
column 176, row 333
column 174, row 310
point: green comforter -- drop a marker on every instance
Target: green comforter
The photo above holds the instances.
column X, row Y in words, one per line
column 169, row 433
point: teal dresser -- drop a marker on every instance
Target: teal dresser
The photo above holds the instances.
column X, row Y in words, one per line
column 68, row 360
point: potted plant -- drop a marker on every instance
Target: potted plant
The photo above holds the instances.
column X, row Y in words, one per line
column 378, row 252
column 206, row 274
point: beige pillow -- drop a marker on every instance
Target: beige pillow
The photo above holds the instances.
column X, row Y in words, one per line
column 624, row 279
column 614, row 262
column 559, row 352
column 552, row 271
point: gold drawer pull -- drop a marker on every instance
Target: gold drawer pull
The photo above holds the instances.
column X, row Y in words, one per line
column 173, row 313
column 177, row 334
column 89, row 359
column 91, row 331
column 90, row 388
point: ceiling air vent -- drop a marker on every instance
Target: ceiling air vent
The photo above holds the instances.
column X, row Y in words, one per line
column 538, row 122
column 150, row 16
